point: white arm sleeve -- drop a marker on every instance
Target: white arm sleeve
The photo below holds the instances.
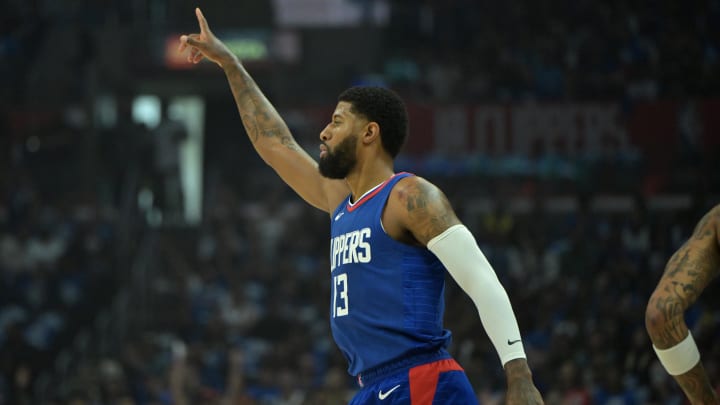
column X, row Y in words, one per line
column 459, row 253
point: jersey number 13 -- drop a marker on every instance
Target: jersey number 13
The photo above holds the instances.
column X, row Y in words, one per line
column 340, row 295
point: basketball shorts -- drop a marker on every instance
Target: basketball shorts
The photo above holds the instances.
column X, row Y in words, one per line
column 440, row 382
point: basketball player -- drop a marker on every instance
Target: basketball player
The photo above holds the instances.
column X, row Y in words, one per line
column 391, row 235
column 686, row 275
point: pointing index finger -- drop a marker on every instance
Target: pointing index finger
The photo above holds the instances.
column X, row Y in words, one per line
column 204, row 29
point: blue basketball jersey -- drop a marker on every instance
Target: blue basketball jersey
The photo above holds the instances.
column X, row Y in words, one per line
column 386, row 296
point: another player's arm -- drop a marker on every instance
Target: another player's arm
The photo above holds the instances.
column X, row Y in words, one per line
column 419, row 212
column 267, row 131
column 686, row 275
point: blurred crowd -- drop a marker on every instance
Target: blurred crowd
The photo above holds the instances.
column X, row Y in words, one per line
column 464, row 50
column 441, row 51
column 57, row 267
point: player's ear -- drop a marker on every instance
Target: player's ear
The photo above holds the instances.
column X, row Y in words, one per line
column 371, row 132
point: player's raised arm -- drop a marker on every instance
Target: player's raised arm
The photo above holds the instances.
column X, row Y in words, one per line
column 686, row 275
column 424, row 213
column 266, row 129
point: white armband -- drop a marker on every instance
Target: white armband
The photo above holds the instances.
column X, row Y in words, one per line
column 680, row 358
column 459, row 253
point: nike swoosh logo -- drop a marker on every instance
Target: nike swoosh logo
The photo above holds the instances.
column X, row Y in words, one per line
column 339, row 215
column 512, row 342
column 383, row 395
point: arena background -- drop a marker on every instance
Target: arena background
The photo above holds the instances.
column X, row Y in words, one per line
column 148, row 256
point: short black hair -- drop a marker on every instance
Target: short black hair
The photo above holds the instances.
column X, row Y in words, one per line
column 384, row 106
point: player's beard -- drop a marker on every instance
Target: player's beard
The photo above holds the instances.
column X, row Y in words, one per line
column 338, row 163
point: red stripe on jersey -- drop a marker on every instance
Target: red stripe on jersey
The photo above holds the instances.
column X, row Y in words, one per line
column 366, row 197
column 424, row 379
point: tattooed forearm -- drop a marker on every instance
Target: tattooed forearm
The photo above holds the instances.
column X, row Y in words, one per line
column 667, row 327
column 262, row 123
column 250, row 127
column 289, row 142
column 697, row 386
column 687, row 274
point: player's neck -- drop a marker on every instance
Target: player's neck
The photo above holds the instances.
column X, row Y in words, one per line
column 365, row 177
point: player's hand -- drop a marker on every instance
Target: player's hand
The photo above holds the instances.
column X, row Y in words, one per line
column 205, row 45
column 521, row 390
column 523, row 393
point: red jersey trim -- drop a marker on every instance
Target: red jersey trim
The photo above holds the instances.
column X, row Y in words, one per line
column 352, row 207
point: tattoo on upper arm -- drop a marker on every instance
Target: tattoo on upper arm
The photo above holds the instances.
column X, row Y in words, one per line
column 428, row 209
column 709, row 226
column 677, row 263
column 416, row 202
column 690, row 271
column 702, row 230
